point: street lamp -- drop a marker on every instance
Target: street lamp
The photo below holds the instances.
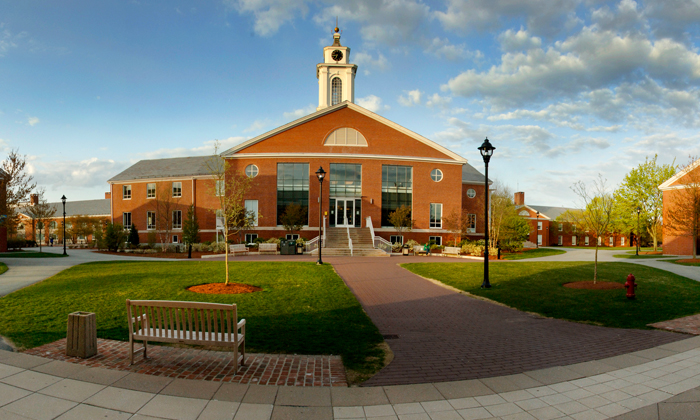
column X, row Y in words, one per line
column 486, row 150
column 63, row 200
column 537, row 231
column 320, row 174
column 637, row 248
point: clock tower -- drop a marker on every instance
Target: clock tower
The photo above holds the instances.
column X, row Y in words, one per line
column 336, row 76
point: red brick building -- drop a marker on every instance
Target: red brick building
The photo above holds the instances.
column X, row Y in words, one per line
column 678, row 241
column 373, row 166
column 547, row 231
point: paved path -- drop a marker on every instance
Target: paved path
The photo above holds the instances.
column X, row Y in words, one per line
column 660, row 383
column 23, row 272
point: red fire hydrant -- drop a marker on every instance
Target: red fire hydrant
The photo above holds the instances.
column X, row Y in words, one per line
column 630, row 285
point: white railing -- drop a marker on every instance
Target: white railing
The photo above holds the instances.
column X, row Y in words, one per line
column 324, row 232
column 311, row 245
column 378, row 241
column 347, row 228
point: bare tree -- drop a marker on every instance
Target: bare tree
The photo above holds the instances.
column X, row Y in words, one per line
column 294, row 217
column 18, row 185
column 41, row 213
column 401, row 219
column 502, row 209
column 164, row 205
column 455, row 223
column 596, row 216
column 682, row 216
column 230, row 188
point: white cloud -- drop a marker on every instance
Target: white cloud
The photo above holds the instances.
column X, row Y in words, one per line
column 269, row 15
column 577, row 145
column 257, row 125
column 8, row 40
column 518, row 41
column 298, row 113
column 32, row 121
column 372, row 103
column 207, row 148
column 442, row 48
column 367, row 62
column 413, row 97
column 84, row 173
column 438, row 101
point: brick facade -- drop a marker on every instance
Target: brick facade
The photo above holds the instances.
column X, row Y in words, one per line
column 676, row 242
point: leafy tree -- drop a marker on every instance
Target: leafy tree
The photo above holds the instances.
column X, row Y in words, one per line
column 640, row 189
column 401, row 219
column 18, row 185
column 294, row 217
column 515, row 228
column 190, row 230
column 114, row 236
column 597, row 214
column 41, row 213
column 502, row 213
column 81, row 226
column 455, row 223
column 134, row 235
column 230, row 188
column 682, row 216
column 98, row 236
column 164, row 205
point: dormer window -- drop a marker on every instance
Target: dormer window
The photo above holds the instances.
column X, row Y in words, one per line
column 336, row 91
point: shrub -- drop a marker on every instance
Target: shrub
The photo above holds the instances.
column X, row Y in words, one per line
column 396, row 247
column 274, row 240
column 114, row 236
column 152, row 238
column 435, row 247
column 16, row 243
column 511, row 246
column 411, row 243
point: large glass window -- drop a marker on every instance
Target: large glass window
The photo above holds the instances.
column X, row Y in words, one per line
column 397, row 189
column 251, row 207
column 336, row 91
column 345, row 180
column 471, row 223
column 126, row 220
column 177, row 219
column 435, row 215
column 292, row 187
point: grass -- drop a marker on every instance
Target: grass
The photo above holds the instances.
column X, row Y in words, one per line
column 303, row 308
column 692, row 264
column 30, row 254
column 537, row 287
column 617, row 248
column 631, row 256
column 3, row 268
column 533, row 253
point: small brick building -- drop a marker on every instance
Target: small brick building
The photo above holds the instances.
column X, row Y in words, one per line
column 678, row 241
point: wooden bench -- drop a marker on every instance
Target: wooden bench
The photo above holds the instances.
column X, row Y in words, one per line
column 198, row 323
column 418, row 249
column 452, row 250
column 265, row 247
column 238, row 249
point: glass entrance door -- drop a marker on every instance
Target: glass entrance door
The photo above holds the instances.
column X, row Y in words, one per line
column 344, row 212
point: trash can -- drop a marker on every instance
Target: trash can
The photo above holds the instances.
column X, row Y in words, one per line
column 81, row 339
column 288, row 247
column 405, row 250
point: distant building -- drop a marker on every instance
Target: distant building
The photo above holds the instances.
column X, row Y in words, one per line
column 3, row 210
column 27, row 228
column 545, row 230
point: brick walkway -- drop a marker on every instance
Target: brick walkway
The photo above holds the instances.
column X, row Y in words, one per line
column 446, row 336
column 686, row 325
column 188, row 363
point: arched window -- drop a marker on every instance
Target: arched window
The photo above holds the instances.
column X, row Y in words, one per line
column 336, row 91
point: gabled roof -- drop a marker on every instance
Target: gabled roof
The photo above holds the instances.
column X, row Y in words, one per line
column 346, row 104
column 668, row 185
column 471, row 176
column 546, row 212
column 99, row 207
column 166, row 168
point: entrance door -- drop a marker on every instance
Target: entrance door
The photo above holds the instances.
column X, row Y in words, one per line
column 344, row 212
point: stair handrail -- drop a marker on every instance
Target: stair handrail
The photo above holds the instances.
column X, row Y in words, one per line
column 311, row 244
column 347, row 228
column 324, row 231
column 383, row 244
column 368, row 222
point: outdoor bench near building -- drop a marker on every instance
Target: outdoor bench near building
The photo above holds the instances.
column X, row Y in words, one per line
column 197, row 323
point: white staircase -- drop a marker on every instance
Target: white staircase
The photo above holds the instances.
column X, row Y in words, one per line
column 338, row 243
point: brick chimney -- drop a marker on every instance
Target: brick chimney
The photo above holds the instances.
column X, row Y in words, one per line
column 108, row 195
column 33, row 199
column 519, row 198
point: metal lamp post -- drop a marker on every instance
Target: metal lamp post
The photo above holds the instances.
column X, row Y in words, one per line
column 639, row 209
column 537, row 231
column 63, row 200
column 486, row 150
column 320, row 174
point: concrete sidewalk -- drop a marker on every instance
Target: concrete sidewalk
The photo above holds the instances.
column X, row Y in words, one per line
column 659, row 383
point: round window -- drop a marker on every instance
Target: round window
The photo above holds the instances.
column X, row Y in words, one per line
column 471, row 193
column 436, row 175
column 251, row 171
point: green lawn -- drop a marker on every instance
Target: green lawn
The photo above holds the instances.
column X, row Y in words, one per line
column 303, row 308
column 617, row 248
column 631, row 256
column 533, row 253
column 537, row 287
column 30, row 254
column 686, row 263
column 3, row 268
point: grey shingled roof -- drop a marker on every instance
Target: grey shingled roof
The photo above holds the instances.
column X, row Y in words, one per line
column 75, row 208
column 551, row 212
column 471, row 175
column 165, row 168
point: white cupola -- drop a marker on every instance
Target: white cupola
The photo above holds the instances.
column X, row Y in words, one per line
column 336, row 76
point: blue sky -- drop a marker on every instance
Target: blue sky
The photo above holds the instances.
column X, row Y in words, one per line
column 565, row 89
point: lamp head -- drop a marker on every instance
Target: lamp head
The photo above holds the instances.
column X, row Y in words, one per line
column 63, row 199
column 321, row 174
column 639, row 209
column 486, row 150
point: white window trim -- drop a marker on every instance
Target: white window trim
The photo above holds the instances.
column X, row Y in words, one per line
column 396, row 236
column 148, row 190
column 173, row 189
column 439, row 174
column 177, row 227
column 429, row 221
column 473, row 191
column 147, row 219
column 124, row 197
column 432, row 238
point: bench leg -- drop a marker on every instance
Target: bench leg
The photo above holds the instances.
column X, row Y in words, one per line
column 145, row 349
column 131, row 352
column 243, row 353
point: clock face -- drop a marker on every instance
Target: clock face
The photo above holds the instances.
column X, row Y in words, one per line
column 337, row 55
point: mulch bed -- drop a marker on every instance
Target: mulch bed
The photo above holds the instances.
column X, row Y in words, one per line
column 651, row 253
column 180, row 255
column 223, row 289
column 599, row 285
column 690, row 260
